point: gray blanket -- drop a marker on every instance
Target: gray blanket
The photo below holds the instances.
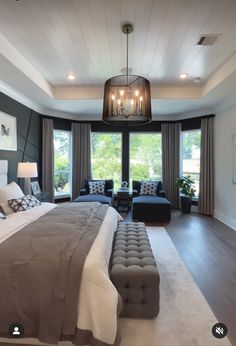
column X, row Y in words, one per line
column 40, row 271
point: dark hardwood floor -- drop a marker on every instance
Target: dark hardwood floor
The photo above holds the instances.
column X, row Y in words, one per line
column 208, row 248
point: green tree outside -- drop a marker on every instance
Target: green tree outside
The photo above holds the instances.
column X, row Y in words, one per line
column 191, row 147
column 145, row 156
column 106, row 156
column 62, row 149
column 191, row 144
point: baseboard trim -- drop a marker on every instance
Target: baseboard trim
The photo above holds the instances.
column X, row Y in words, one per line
column 225, row 219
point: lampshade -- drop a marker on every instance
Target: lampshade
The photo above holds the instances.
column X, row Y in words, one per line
column 127, row 98
column 27, row 170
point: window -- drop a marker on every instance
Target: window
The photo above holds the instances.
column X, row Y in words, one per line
column 62, row 163
column 190, row 156
column 106, row 156
column 145, row 156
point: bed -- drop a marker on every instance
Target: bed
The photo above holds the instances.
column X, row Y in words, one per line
column 25, row 240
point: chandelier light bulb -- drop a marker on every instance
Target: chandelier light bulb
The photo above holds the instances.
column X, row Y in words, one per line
column 113, row 97
column 136, row 93
column 122, row 92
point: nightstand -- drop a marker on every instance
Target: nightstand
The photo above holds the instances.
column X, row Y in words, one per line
column 123, row 199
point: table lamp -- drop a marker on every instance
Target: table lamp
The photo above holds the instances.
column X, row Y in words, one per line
column 27, row 170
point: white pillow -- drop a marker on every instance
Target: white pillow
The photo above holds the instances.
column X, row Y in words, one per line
column 7, row 192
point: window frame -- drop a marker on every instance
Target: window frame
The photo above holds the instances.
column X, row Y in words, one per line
column 65, row 195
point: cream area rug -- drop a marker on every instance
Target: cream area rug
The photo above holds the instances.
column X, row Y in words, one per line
column 185, row 318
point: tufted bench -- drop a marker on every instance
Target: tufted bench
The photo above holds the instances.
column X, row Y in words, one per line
column 133, row 271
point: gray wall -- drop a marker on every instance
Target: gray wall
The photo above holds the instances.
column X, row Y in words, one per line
column 28, row 136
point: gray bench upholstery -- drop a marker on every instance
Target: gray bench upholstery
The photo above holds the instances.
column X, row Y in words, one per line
column 133, row 271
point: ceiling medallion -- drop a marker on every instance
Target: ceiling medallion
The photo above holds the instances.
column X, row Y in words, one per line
column 127, row 98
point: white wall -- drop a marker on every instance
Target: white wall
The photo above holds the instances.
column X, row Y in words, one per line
column 225, row 190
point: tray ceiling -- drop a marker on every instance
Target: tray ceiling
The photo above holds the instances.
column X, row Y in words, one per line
column 42, row 41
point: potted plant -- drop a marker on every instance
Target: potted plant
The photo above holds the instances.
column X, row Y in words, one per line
column 185, row 184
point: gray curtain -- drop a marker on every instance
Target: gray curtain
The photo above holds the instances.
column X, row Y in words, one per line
column 206, row 190
column 48, row 158
column 81, row 154
column 170, row 160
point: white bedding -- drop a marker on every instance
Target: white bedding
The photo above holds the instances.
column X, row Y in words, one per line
column 98, row 297
column 16, row 221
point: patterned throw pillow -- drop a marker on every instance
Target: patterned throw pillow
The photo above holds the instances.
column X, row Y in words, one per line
column 97, row 187
column 148, row 188
column 24, row 203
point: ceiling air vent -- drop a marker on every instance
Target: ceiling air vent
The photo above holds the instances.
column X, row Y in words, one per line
column 207, row 40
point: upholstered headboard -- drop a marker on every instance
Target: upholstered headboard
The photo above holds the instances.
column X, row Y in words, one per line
column 3, row 172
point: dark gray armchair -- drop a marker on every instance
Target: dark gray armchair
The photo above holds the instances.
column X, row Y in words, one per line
column 149, row 207
column 107, row 198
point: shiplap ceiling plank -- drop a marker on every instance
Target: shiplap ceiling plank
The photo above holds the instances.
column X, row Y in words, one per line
column 44, row 37
column 48, row 42
column 169, row 25
column 98, row 18
column 191, row 37
column 113, row 20
column 82, row 9
column 196, row 54
column 141, row 25
column 209, row 59
column 182, row 26
column 157, row 18
column 50, row 38
column 72, row 25
column 128, row 15
column 61, row 40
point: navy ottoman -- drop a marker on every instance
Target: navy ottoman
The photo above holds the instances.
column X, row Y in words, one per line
column 151, row 208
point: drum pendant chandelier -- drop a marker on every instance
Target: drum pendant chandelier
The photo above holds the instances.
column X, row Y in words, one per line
column 127, row 98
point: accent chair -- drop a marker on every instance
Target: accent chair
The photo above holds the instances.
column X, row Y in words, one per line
column 150, row 207
column 86, row 196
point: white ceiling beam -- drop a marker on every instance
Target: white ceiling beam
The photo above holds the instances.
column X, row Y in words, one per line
column 18, row 60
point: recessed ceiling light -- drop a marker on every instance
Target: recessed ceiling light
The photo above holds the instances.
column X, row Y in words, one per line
column 183, row 75
column 70, row 76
